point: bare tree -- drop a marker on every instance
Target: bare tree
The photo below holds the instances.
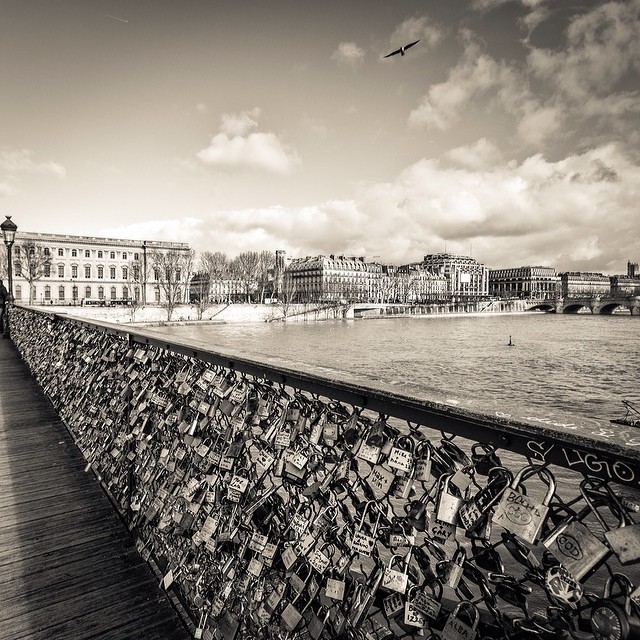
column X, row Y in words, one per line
column 169, row 269
column 286, row 296
column 32, row 262
column 266, row 267
column 215, row 265
column 247, row 268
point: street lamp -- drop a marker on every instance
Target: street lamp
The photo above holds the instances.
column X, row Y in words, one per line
column 9, row 229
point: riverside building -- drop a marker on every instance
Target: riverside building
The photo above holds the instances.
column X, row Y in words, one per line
column 524, row 282
column 466, row 278
column 584, row 284
column 69, row 270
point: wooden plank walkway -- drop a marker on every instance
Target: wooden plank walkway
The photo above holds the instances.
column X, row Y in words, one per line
column 69, row 568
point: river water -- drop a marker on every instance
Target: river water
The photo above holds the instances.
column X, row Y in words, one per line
column 572, row 371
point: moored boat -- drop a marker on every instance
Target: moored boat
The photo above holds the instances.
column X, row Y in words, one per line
column 631, row 418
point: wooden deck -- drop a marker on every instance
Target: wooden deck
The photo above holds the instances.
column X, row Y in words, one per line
column 68, row 565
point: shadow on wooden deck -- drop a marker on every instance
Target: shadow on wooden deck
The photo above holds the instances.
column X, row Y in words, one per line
column 69, row 566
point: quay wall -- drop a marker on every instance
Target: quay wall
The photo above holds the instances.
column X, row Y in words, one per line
column 271, row 502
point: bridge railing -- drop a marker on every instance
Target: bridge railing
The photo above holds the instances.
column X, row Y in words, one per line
column 275, row 503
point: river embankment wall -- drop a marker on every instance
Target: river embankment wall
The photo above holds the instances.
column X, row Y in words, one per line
column 248, row 313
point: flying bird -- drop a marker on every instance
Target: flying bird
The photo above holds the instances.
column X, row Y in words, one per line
column 108, row 15
column 401, row 50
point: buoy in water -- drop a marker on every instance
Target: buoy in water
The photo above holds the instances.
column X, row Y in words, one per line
column 510, row 343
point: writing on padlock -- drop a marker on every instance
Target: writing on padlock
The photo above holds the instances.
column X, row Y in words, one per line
column 449, row 500
column 361, row 541
column 624, row 539
column 396, row 576
column 574, row 544
column 462, row 623
column 522, row 514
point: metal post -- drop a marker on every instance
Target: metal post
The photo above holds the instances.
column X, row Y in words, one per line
column 9, row 229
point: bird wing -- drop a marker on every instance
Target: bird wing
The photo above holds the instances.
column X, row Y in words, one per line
column 401, row 49
column 393, row 53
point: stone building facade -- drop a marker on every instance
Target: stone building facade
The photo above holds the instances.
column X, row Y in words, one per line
column 86, row 270
column 524, row 282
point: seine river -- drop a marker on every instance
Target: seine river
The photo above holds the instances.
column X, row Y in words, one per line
column 571, row 370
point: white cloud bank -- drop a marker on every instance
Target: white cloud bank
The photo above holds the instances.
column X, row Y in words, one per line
column 348, row 53
column 237, row 146
column 576, row 213
column 15, row 162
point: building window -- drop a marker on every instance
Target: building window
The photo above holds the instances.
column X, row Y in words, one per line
column 47, row 293
column 74, row 270
column 87, row 272
column 61, row 292
column 112, row 255
column 125, row 292
column 46, row 251
column 87, row 253
column 178, row 273
column 100, row 293
column 46, row 271
column 136, row 273
column 60, row 271
column 74, row 293
column 136, row 256
column 124, row 255
column 112, row 273
column 18, row 268
column 74, row 253
column 125, row 273
column 113, row 293
column 100, row 273
column 136, row 293
column 18, row 292
column 61, row 253
column 87, row 292
column 156, row 273
column 99, row 254
column 157, row 294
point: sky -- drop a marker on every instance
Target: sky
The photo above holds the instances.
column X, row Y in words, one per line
column 509, row 132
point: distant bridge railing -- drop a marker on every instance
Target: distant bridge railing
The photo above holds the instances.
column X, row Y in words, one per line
column 273, row 503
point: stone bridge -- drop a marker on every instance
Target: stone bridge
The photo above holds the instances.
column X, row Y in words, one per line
column 603, row 305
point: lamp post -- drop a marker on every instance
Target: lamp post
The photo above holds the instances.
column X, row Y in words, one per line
column 9, row 229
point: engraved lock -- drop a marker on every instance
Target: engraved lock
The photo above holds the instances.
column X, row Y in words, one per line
column 335, row 585
column 371, row 448
column 326, row 520
column 459, row 628
column 429, row 604
column 448, row 503
column 422, row 455
column 396, row 577
column 401, row 455
column 393, row 604
column 362, row 542
column 574, row 545
column 623, row 540
column 475, row 511
column 610, row 618
column 521, row 514
column 295, row 463
column 413, row 615
column 238, row 484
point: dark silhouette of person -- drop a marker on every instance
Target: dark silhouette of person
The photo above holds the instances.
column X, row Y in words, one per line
column 4, row 299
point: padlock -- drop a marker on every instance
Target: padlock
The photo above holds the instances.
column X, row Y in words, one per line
column 292, row 614
column 475, row 511
column 371, row 448
column 451, row 570
column 521, row 514
column 362, row 597
column 484, row 458
column 413, row 615
column 422, row 456
column 456, row 628
column 610, row 618
column 362, row 542
column 335, row 585
column 429, row 604
column 575, row 546
column 401, row 454
column 447, row 502
column 393, row 604
column 623, row 540
column 396, row 576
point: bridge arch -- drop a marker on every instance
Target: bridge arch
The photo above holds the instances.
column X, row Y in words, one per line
column 575, row 308
column 543, row 306
column 608, row 309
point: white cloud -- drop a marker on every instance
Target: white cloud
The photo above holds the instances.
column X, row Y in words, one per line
column 239, row 146
column 481, row 154
column 476, row 73
column 417, row 28
column 201, row 107
column 22, row 162
column 579, row 212
column 348, row 53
